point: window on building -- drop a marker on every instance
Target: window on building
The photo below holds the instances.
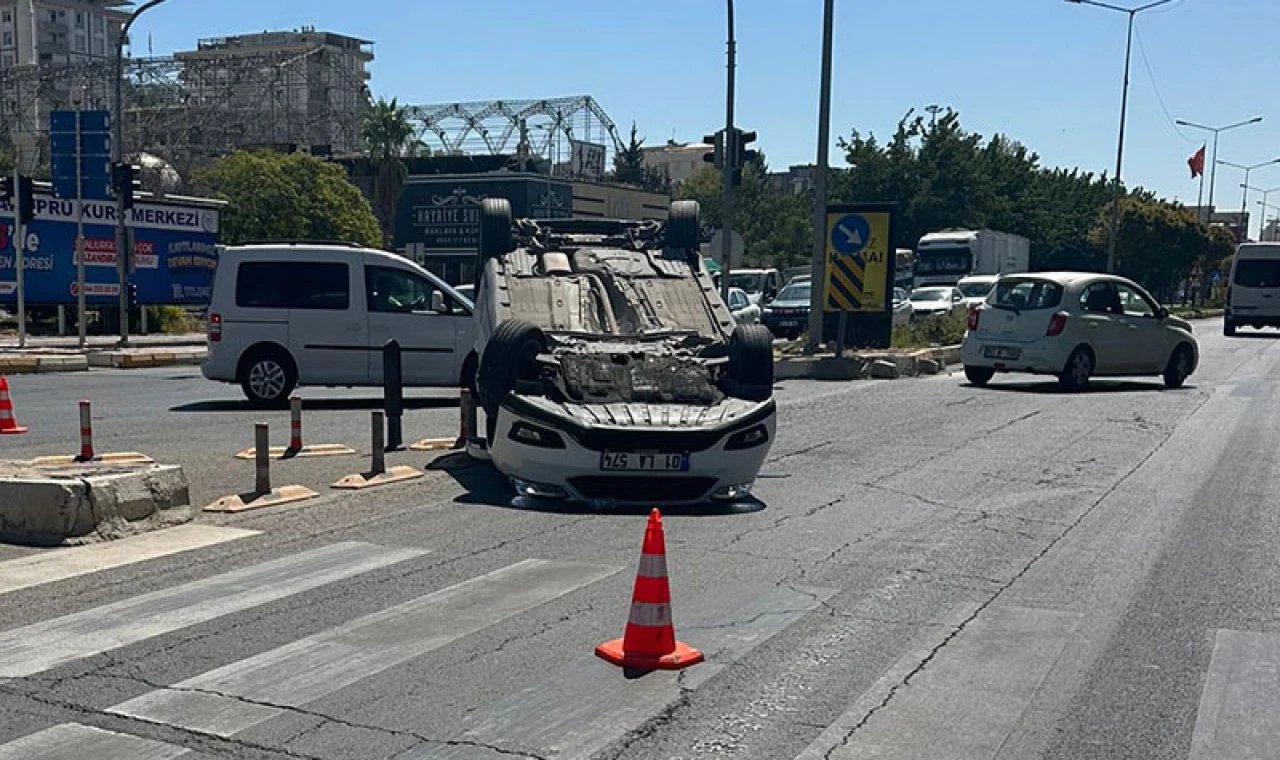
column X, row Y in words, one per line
column 79, row 19
column 98, row 46
column 82, row 45
column 53, row 17
column 99, row 24
column 8, row 39
column 7, row 16
column 7, row 60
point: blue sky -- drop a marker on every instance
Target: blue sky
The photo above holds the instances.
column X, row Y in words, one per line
column 1045, row 72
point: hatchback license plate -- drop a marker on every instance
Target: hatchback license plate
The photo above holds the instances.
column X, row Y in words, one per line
column 1001, row 352
column 789, row 323
column 632, row 462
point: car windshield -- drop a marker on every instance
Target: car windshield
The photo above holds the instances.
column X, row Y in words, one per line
column 797, row 292
column 1026, row 294
column 931, row 294
column 1258, row 273
column 752, row 282
column 975, row 289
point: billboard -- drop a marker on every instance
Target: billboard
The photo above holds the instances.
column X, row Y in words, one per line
column 174, row 245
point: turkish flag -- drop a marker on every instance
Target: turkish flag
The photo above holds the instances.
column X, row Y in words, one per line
column 1196, row 162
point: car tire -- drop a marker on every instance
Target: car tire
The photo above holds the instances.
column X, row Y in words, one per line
column 1075, row 375
column 751, row 362
column 1228, row 328
column 1179, row 367
column 978, row 376
column 267, row 377
column 508, row 356
column 684, row 226
column 496, row 238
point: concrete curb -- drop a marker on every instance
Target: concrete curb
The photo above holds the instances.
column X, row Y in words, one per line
column 32, row 364
column 86, row 503
column 140, row 359
column 879, row 364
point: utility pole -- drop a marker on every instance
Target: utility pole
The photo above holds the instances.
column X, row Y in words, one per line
column 730, row 148
column 817, row 280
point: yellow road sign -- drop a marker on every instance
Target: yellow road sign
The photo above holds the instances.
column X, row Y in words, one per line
column 857, row 263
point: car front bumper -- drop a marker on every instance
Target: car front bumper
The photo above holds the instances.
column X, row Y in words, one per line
column 720, row 465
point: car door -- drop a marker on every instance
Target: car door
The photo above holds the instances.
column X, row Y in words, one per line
column 1148, row 344
column 1099, row 315
column 328, row 334
column 427, row 321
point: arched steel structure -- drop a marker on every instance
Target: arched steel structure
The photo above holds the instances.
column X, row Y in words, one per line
column 497, row 127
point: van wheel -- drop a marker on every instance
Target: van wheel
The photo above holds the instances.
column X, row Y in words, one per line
column 1179, row 367
column 268, row 377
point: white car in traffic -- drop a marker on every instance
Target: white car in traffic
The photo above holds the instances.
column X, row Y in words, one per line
column 1076, row 325
column 938, row 301
column 744, row 310
column 903, row 311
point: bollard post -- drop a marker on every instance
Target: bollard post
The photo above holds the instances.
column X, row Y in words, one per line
column 86, row 433
column 262, row 458
column 467, row 425
column 377, row 448
column 392, row 393
column 295, row 425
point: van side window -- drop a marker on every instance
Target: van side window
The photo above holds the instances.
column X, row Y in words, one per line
column 396, row 291
column 293, row 285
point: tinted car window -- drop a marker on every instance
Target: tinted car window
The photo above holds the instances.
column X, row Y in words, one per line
column 1026, row 294
column 1258, row 273
column 293, row 285
column 399, row 292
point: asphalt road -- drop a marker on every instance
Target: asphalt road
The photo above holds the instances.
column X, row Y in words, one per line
column 932, row 570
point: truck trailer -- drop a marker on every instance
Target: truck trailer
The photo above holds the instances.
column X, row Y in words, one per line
column 942, row 258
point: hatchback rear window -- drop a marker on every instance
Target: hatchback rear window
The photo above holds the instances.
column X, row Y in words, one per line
column 1027, row 294
column 293, row 285
column 1258, row 273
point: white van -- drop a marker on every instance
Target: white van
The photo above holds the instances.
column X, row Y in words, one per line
column 288, row 314
column 1253, row 291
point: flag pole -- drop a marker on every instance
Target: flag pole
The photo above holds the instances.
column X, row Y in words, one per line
column 1200, row 197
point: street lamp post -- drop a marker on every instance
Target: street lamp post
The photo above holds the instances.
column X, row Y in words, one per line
column 1262, row 221
column 1263, row 230
column 1244, row 201
column 1124, row 108
column 124, row 252
column 1213, row 168
column 818, row 271
column 729, row 153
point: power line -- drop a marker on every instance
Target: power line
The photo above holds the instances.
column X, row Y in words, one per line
column 1142, row 51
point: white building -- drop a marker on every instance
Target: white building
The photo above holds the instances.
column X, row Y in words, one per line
column 678, row 159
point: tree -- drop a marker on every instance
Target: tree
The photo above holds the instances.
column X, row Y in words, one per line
column 628, row 163
column 1156, row 242
column 775, row 223
column 274, row 196
column 389, row 136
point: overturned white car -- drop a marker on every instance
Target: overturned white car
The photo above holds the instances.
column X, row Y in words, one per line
column 610, row 369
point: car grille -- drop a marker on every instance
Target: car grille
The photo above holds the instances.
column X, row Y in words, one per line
column 634, row 488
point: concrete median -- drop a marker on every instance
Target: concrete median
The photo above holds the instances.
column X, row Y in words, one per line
column 48, row 506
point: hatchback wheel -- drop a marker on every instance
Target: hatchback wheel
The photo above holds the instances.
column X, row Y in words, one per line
column 979, row 376
column 1179, row 368
column 1075, row 375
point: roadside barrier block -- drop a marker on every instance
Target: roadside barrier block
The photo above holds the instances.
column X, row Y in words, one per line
column 272, row 498
column 360, row 481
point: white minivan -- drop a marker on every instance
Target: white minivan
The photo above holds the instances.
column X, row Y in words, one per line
column 1253, row 291
column 288, row 314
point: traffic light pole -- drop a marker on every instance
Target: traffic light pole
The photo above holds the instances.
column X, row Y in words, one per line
column 729, row 153
column 817, row 287
column 17, row 257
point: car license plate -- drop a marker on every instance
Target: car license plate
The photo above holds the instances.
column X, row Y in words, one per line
column 789, row 323
column 633, row 462
column 1001, row 352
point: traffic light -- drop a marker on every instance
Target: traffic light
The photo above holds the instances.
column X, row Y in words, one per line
column 126, row 182
column 26, row 200
column 715, row 157
column 742, row 156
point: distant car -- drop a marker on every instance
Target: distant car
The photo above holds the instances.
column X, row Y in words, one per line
column 1076, row 325
column 761, row 285
column 936, row 301
column 976, row 288
column 744, row 312
column 787, row 316
column 903, row 311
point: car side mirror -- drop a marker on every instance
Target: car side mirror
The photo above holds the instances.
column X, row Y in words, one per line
column 437, row 302
column 1162, row 313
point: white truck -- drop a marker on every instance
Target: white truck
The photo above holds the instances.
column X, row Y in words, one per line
column 942, row 258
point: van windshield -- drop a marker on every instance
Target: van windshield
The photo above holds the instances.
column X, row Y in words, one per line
column 1258, row 273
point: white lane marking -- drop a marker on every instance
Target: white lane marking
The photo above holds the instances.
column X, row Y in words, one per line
column 1237, row 717
column 40, row 646
column 68, row 562
column 73, row 741
column 235, row 697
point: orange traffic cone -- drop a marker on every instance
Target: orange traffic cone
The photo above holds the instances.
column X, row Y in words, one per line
column 8, row 423
column 649, row 642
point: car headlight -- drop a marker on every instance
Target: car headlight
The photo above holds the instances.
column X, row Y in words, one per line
column 532, row 435
column 756, row 435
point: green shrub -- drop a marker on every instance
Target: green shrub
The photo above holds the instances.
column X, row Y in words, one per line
column 171, row 320
column 931, row 331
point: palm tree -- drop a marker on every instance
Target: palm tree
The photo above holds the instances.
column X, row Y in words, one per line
column 389, row 136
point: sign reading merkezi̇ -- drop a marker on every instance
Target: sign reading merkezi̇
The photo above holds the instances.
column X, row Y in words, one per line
column 174, row 248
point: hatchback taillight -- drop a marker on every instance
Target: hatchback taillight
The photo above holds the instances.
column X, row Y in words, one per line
column 1057, row 323
column 215, row 328
column 974, row 316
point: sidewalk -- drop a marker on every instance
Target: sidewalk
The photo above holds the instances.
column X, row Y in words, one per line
column 62, row 354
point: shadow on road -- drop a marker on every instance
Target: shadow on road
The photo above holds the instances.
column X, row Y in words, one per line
column 486, row 487
column 336, row 404
column 1051, row 388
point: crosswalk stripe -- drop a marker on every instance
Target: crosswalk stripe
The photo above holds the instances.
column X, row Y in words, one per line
column 589, row 704
column 983, row 681
column 1237, row 718
column 59, row 564
column 235, row 697
column 48, row 644
column 73, row 741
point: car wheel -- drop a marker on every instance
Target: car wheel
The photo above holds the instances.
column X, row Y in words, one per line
column 1075, row 376
column 267, row 377
column 979, row 376
column 1179, row 367
column 495, row 228
column 1228, row 328
column 751, row 362
column 684, row 227
column 508, row 357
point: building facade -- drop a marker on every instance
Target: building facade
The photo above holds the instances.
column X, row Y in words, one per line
column 680, row 160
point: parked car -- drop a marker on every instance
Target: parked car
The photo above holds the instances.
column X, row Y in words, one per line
column 744, row 312
column 610, row 369
column 761, row 285
column 1253, row 292
column 290, row 314
column 1076, row 325
column 903, row 311
column 976, row 288
column 787, row 316
column 938, row 301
